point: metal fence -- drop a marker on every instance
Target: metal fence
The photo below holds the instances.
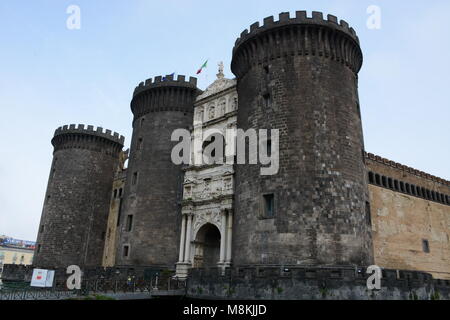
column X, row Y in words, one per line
column 94, row 286
column 33, row 294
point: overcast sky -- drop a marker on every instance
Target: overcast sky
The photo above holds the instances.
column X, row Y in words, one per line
column 51, row 76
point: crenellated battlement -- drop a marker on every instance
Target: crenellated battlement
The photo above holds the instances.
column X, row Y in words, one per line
column 407, row 169
column 167, row 81
column 299, row 35
column 301, row 17
column 165, row 94
column 88, row 138
column 90, row 130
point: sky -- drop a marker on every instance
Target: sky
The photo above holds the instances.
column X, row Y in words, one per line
column 52, row 75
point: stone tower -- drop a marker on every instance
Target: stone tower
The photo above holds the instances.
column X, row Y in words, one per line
column 149, row 228
column 300, row 75
column 75, row 213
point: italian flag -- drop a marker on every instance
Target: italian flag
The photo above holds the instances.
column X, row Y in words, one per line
column 202, row 67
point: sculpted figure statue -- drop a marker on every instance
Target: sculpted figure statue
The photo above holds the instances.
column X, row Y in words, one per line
column 220, row 75
column 123, row 156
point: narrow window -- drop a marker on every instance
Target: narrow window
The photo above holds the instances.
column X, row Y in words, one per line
column 120, row 192
column 377, row 179
column 433, row 195
column 129, row 222
column 368, row 214
column 413, row 190
column 408, row 188
column 142, row 122
column 126, row 250
column 115, row 193
column 425, row 246
column 269, row 205
column 134, row 178
column 39, row 248
column 139, row 144
column 42, row 228
column 267, row 100
column 428, row 194
column 396, row 187
column 119, row 215
column 402, row 186
column 391, row 185
column 384, row 181
column 371, row 177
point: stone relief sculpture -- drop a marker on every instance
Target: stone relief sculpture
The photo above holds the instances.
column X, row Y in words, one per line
column 234, row 103
column 123, row 157
column 222, row 107
column 211, row 112
column 206, row 217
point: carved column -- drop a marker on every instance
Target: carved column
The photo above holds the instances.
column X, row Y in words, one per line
column 229, row 236
column 187, row 251
column 223, row 231
column 183, row 238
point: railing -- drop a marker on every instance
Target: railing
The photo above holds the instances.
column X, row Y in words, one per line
column 33, row 294
column 96, row 286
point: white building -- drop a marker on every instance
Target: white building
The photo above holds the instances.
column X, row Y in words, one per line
column 206, row 230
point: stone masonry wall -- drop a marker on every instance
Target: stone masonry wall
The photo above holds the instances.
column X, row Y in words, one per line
column 153, row 189
column 296, row 283
column 294, row 77
column 402, row 221
column 73, row 223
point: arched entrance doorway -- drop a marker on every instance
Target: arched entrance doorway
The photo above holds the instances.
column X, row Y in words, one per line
column 207, row 246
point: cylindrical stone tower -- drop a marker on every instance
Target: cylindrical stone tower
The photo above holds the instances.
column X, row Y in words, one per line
column 149, row 226
column 75, row 213
column 299, row 75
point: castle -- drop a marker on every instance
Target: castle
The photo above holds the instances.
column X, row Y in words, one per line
column 330, row 204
